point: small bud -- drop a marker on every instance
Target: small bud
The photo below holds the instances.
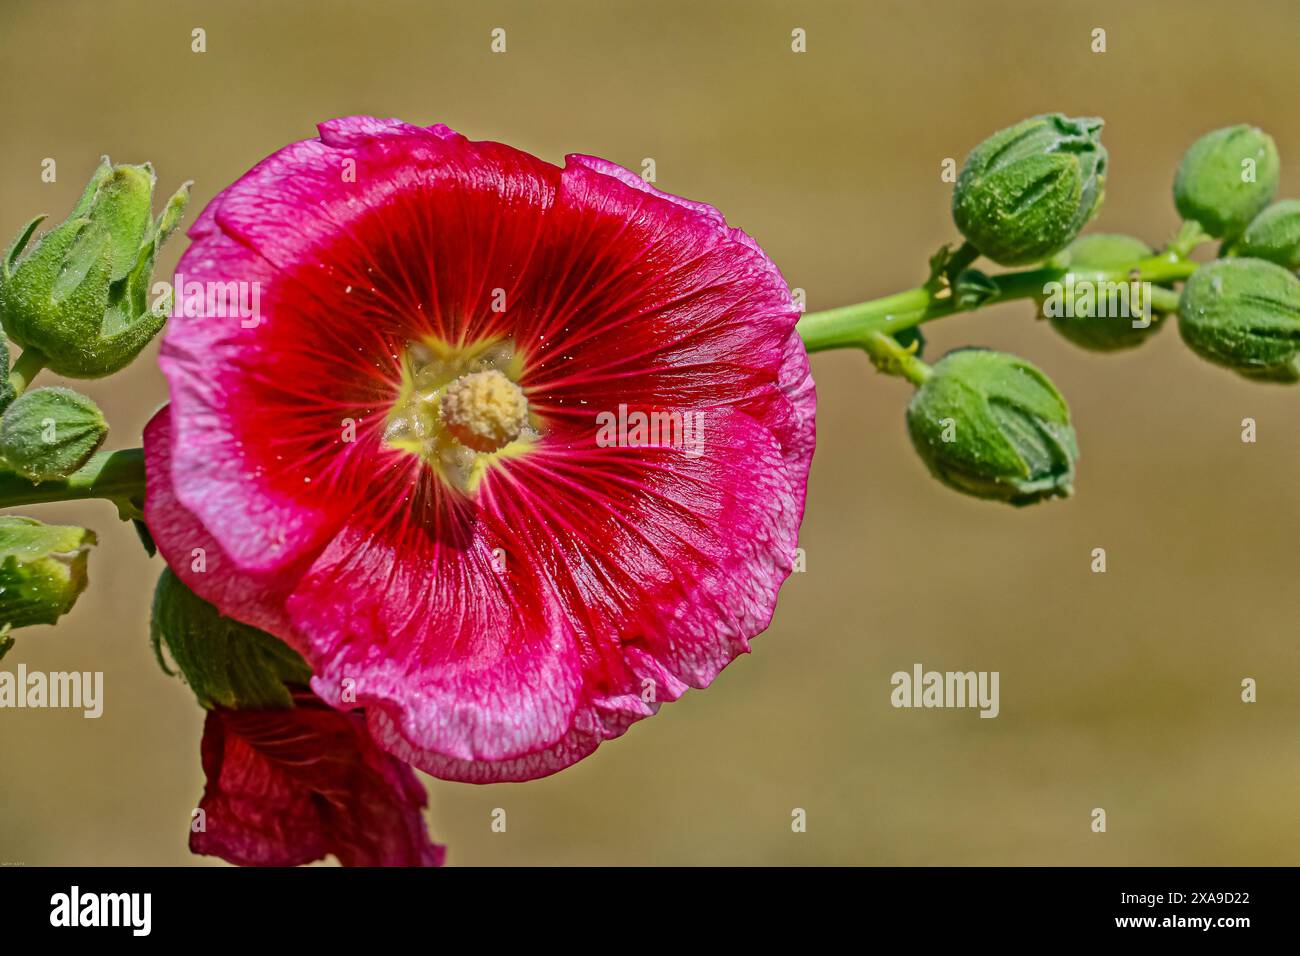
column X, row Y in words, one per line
column 1028, row 190
column 1244, row 314
column 42, row 570
column 1225, row 178
column 81, row 296
column 1084, row 314
column 49, row 433
column 991, row 425
column 1274, row 235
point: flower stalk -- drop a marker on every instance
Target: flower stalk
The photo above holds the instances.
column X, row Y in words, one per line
column 854, row 326
column 26, row 367
column 116, row 475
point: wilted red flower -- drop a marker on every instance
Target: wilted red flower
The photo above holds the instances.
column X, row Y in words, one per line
column 287, row 787
column 421, row 458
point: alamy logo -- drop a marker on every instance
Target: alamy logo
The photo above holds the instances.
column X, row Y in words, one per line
column 922, row 688
column 103, row 909
column 1086, row 299
column 77, row 690
column 660, row 428
column 191, row 299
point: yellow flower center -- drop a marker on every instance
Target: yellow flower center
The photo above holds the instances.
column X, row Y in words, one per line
column 484, row 411
column 460, row 409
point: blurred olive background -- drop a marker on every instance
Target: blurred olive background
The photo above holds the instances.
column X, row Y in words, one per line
column 1119, row 691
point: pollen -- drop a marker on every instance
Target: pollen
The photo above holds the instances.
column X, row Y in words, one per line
column 459, row 410
column 484, row 410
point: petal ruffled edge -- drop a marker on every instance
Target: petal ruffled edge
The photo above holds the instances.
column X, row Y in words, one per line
column 197, row 557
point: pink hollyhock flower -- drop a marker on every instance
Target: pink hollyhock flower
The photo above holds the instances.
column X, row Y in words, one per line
column 287, row 787
column 424, row 458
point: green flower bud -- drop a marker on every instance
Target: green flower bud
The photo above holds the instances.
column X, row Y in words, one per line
column 42, row 570
column 81, row 296
column 49, row 433
column 226, row 663
column 1100, row 316
column 1274, row 235
column 1026, row 191
column 991, row 425
column 1244, row 314
column 1225, row 178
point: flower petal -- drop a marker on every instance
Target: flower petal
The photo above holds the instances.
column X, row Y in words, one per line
column 197, row 557
column 624, row 578
column 286, row 787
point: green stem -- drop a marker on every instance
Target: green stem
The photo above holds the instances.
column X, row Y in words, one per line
column 1162, row 300
column 893, row 359
column 116, row 475
column 854, row 326
column 26, row 369
column 964, row 257
column 1190, row 235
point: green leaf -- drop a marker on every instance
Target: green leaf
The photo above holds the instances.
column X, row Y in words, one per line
column 171, row 215
column 101, row 174
column 973, row 289
column 19, row 244
column 90, row 254
column 912, row 339
column 42, row 570
column 226, row 663
column 146, row 538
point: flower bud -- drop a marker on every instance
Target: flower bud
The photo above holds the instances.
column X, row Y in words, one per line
column 1026, row 191
column 42, row 570
column 991, row 425
column 1244, row 314
column 1274, row 235
column 81, row 296
column 49, row 433
column 1225, row 178
column 1100, row 316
